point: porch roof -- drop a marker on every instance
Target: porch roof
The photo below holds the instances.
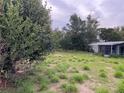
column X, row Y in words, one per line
column 107, row 43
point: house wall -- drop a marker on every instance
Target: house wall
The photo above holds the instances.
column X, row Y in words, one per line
column 105, row 49
column 121, row 50
column 112, row 50
column 95, row 48
column 108, row 49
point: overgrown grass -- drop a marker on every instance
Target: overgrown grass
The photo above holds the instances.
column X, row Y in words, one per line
column 86, row 67
column 103, row 75
column 102, row 90
column 62, row 76
column 66, row 71
column 79, row 78
column 69, row 88
column 44, row 81
column 121, row 68
column 62, row 67
column 54, row 78
column 120, row 87
column 27, row 87
column 118, row 74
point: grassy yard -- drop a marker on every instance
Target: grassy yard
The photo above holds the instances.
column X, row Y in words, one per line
column 75, row 72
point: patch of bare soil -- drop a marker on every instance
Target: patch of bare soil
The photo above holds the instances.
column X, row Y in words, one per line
column 55, row 88
column 36, row 88
column 84, row 88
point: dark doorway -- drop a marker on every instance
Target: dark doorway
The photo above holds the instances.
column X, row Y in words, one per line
column 122, row 50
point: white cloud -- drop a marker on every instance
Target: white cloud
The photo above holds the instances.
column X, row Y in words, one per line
column 109, row 12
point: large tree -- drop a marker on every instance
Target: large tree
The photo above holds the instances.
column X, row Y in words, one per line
column 79, row 33
column 22, row 37
column 91, row 29
column 57, row 36
column 109, row 34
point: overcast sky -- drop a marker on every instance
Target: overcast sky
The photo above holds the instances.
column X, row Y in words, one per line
column 109, row 12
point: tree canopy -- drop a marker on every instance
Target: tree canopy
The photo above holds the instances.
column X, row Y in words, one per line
column 25, row 36
column 79, row 33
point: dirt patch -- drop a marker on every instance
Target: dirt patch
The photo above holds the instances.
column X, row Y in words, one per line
column 85, row 89
column 55, row 88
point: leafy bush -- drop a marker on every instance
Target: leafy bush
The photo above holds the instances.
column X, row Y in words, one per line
column 86, row 67
column 102, row 90
column 120, row 87
column 118, row 74
column 24, row 37
column 69, row 88
column 103, row 75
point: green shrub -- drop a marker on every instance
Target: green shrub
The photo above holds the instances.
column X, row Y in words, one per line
column 62, row 67
column 102, row 70
column 118, row 74
column 54, row 79
column 50, row 72
column 120, row 87
column 44, row 83
column 69, row 88
column 27, row 87
column 103, row 75
column 102, row 90
column 79, row 78
column 63, row 76
column 86, row 67
column 116, row 62
column 121, row 68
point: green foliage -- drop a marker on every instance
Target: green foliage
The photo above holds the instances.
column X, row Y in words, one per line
column 121, row 68
column 50, row 72
column 86, row 67
column 79, row 78
column 109, row 34
column 54, row 79
column 62, row 76
column 85, row 76
column 27, row 34
column 27, row 87
column 62, row 67
column 120, row 87
column 103, row 75
column 102, row 90
column 43, row 83
column 56, row 36
column 79, row 33
column 118, row 74
column 69, row 88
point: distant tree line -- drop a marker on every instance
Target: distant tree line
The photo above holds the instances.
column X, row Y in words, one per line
column 78, row 33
